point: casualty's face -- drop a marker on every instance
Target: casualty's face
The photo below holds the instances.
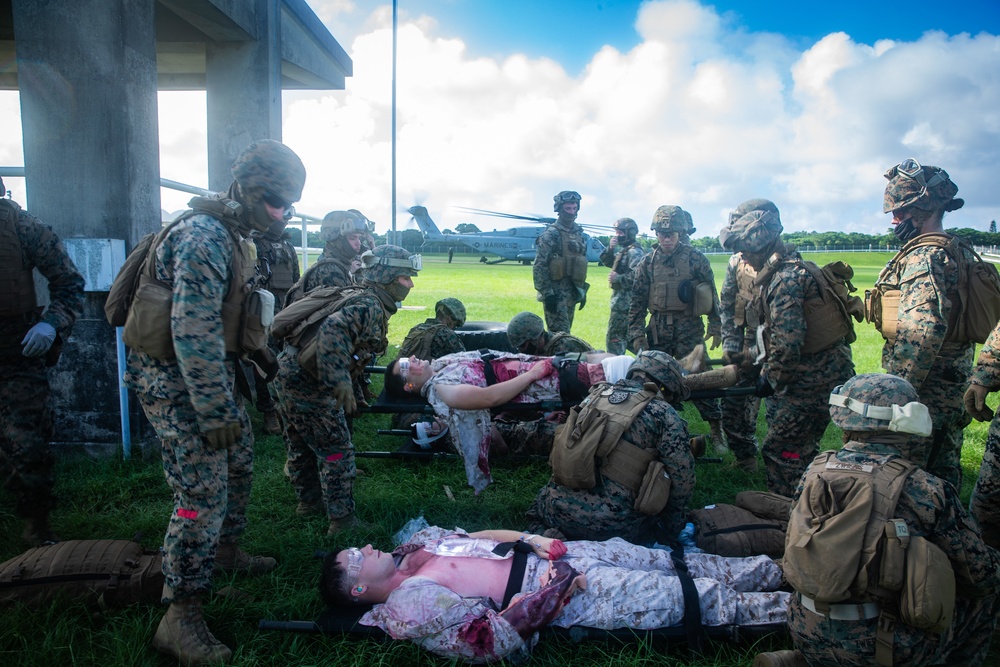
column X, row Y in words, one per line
column 414, row 373
column 376, row 567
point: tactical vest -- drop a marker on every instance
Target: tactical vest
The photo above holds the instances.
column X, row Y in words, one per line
column 746, row 294
column 665, row 283
column 975, row 298
column 827, row 320
column 571, row 262
column 17, row 283
column 418, row 341
column 592, row 442
column 299, row 324
column 148, row 325
column 280, row 260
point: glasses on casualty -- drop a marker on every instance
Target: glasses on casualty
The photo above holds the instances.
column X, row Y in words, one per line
column 404, row 368
column 354, row 560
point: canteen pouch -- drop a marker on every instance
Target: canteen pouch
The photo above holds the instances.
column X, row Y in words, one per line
column 654, row 490
column 927, row 600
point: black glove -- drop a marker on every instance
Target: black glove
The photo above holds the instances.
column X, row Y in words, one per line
column 265, row 362
column 763, row 386
column 551, row 302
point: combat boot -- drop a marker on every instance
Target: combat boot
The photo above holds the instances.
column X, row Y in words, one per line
column 230, row 558
column 343, row 523
column 697, row 445
column 780, row 659
column 272, row 423
column 37, row 531
column 183, row 634
column 718, row 438
column 305, row 509
column 748, row 465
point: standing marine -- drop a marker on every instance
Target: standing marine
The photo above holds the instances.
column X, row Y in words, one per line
column 322, row 356
column 806, row 351
column 915, row 306
column 621, row 256
column 560, row 269
column 674, row 283
column 31, row 338
column 985, row 502
column 205, row 264
column 344, row 235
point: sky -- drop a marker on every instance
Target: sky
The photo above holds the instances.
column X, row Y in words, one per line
column 503, row 103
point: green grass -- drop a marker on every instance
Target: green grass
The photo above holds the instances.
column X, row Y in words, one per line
column 116, row 499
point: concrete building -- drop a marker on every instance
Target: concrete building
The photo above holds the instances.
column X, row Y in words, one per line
column 88, row 72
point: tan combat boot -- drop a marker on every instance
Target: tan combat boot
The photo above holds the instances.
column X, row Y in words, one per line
column 230, row 558
column 343, row 523
column 272, row 423
column 183, row 634
column 748, row 465
column 780, row 659
column 718, row 438
column 37, row 531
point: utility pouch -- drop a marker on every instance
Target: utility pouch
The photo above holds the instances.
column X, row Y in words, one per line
column 893, row 562
column 258, row 314
column 654, row 490
column 658, row 297
column 557, row 269
column 147, row 327
column 577, row 268
column 927, row 600
column 703, row 301
column 882, row 310
column 574, row 448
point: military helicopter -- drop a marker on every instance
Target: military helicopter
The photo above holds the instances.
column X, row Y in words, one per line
column 515, row 244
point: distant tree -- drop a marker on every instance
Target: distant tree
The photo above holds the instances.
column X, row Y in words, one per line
column 447, row 231
column 466, row 228
column 993, row 226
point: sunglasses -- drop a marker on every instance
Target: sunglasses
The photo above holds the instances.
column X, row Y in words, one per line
column 274, row 201
column 404, row 368
column 354, row 560
column 912, row 170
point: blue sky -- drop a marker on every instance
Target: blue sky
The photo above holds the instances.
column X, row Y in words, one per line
column 503, row 103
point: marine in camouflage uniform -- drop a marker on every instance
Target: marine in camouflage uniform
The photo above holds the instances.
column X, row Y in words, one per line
column 320, row 452
column 561, row 252
column 923, row 350
column 527, row 433
column 985, row 378
column 672, row 327
column 797, row 413
column 608, row 509
column 278, row 264
column 344, row 236
column 932, row 509
column 30, row 340
column 739, row 419
column 621, row 256
column 204, row 430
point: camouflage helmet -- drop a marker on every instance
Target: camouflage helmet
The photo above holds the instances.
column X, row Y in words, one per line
column 671, row 219
column 453, row 308
column 273, row 167
column 753, row 226
column 523, row 327
column 664, row 370
column 878, row 402
column 563, row 197
column 387, row 262
column 369, row 225
column 341, row 223
column 925, row 187
column 627, row 225
column 691, row 229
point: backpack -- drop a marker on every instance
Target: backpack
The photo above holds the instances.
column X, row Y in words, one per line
column 125, row 284
column 978, row 308
column 108, row 573
column 755, row 525
column 843, row 544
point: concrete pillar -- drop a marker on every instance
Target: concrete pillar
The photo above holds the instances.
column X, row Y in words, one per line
column 87, row 81
column 243, row 83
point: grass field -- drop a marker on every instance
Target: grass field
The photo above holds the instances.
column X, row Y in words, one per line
column 117, row 499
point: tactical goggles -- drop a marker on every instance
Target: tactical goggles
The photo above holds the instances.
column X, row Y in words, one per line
column 414, row 262
column 274, row 201
column 404, row 368
column 910, row 418
column 911, row 169
column 354, row 560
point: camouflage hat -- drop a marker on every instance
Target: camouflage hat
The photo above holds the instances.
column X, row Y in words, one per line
column 753, row 226
column 627, row 225
column 563, row 197
column 671, row 219
column 453, row 308
column 341, row 223
column 273, row 167
column 387, row 262
column 865, row 403
column 664, row 370
column 523, row 327
column 925, row 187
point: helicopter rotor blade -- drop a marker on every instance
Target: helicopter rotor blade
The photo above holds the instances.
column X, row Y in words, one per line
column 509, row 216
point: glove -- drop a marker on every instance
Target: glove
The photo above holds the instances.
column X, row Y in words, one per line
column 223, row 437
column 551, row 302
column 344, row 395
column 38, row 340
column 763, row 386
column 639, row 344
column 716, row 339
column 975, row 402
column 582, row 291
column 583, row 302
column 266, row 364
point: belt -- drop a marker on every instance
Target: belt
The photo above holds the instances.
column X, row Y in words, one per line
column 844, row 612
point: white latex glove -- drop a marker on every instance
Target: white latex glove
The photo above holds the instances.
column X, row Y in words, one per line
column 38, row 340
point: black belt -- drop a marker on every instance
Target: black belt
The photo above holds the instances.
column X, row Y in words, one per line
column 517, row 567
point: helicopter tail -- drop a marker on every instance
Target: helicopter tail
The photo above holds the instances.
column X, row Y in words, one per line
column 424, row 222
